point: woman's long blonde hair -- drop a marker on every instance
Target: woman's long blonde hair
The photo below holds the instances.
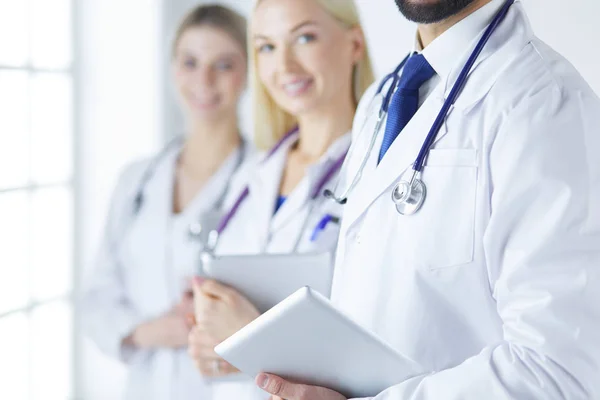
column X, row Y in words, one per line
column 271, row 122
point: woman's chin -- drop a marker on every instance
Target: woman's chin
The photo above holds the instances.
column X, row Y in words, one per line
column 299, row 108
column 207, row 113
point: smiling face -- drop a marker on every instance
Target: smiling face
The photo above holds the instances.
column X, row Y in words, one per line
column 209, row 69
column 304, row 57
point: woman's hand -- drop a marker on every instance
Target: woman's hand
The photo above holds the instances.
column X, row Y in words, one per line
column 170, row 330
column 220, row 312
column 201, row 349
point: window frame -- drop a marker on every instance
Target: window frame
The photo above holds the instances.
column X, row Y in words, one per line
column 71, row 184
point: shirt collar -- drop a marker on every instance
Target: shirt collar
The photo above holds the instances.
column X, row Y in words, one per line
column 446, row 49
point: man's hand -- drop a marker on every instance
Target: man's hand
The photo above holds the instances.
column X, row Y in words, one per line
column 281, row 389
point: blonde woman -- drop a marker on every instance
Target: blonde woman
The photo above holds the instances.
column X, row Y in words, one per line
column 137, row 301
column 309, row 66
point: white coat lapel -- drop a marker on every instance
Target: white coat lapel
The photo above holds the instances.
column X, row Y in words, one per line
column 398, row 159
column 264, row 190
column 145, row 243
column 293, row 204
column 506, row 43
column 302, row 195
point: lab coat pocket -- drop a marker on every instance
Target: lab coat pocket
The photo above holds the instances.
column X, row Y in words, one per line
column 446, row 223
column 321, row 237
column 326, row 239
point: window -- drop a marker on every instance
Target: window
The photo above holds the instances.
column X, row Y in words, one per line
column 36, row 199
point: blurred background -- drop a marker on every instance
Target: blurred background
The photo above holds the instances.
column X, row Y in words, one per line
column 84, row 89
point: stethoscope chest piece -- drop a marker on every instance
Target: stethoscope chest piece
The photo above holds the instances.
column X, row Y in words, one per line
column 409, row 198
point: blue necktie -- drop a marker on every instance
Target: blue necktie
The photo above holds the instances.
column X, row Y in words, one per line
column 405, row 102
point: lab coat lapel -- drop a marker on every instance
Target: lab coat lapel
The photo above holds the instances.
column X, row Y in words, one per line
column 210, row 196
column 506, row 43
column 293, row 204
column 509, row 39
column 146, row 241
column 264, row 190
column 398, row 160
column 301, row 197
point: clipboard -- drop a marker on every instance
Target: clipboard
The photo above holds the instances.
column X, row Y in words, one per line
column 306, row 340
column 267, row 279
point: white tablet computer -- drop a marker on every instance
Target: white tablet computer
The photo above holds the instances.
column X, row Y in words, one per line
column 305, row 339
column 267, row 279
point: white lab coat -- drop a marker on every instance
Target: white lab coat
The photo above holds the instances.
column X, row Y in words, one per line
column 141, row 272
column 493, row 287
column 256, row 229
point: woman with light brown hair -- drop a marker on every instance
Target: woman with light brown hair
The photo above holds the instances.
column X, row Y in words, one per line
column 138, row 298
column 309, row 67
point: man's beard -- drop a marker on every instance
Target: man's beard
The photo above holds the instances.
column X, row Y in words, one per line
column 431, row 12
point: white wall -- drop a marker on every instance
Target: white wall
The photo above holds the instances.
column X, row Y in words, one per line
column 119, row 120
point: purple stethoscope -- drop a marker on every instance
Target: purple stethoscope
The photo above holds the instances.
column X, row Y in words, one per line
column 317, row 191
column 409, row 195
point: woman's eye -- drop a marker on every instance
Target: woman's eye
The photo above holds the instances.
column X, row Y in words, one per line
column 224, row 66
column 189, row 63
column 306, row 38
column 266, row 48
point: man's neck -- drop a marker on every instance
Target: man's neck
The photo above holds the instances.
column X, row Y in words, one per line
column 429, row 32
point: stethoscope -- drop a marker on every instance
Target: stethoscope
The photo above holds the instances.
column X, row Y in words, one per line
column 139, row 198
column 196, row 229
column 408, row 195
column 316, row 192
